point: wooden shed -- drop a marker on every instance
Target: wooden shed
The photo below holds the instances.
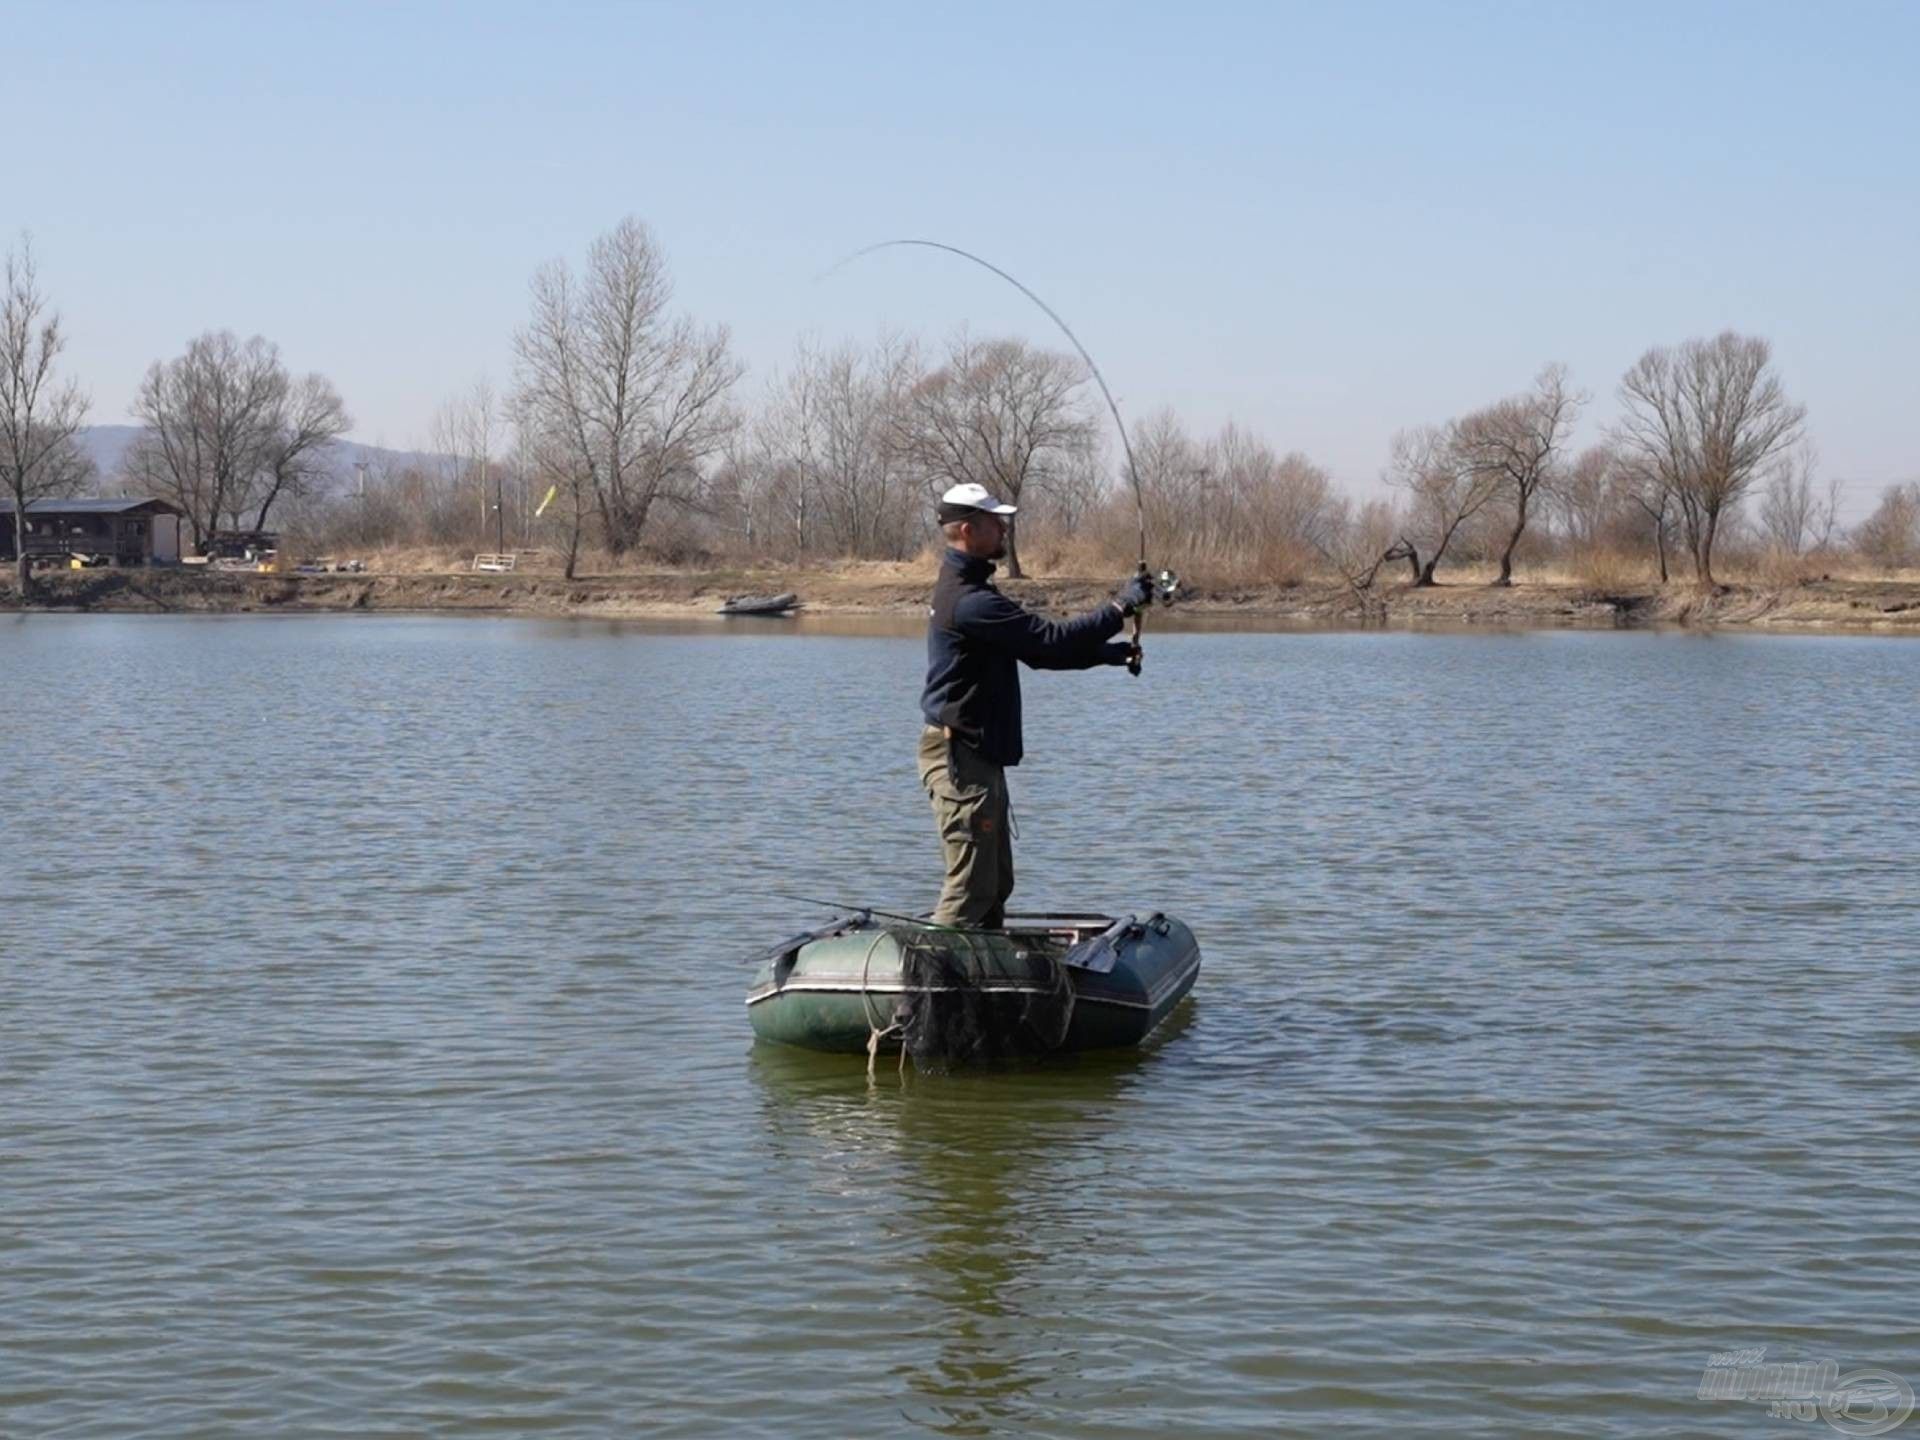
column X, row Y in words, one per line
column 121, row 531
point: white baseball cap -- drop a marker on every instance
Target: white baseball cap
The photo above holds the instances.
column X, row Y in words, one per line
column 975, row 497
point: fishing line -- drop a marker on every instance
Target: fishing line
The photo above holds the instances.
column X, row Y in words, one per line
column 1168, row 582
column 1133, row 473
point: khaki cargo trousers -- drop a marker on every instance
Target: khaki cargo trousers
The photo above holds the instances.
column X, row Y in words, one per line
column 969, row 797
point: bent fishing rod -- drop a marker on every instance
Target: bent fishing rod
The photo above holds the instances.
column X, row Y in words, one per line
column 1167, row 585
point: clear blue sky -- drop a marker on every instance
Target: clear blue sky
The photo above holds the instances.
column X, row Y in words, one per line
column 1324, row 221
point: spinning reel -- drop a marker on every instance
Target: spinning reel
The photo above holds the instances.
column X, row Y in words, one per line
column 1166, row 589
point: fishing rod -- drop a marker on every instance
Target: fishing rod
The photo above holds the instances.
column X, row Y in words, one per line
column 849, row 909
column 1168, row 584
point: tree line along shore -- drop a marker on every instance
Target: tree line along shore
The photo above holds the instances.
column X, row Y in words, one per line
column 629, row 437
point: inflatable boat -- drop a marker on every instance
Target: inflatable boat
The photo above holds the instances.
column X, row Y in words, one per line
column 870, row 982
column 784, row 604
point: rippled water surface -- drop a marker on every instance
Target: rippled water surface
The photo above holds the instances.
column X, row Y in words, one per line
column 373, row 1060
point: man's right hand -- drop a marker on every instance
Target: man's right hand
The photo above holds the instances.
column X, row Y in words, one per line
column 1135, row 594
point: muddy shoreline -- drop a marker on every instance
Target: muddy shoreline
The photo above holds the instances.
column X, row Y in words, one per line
column 1886, row 606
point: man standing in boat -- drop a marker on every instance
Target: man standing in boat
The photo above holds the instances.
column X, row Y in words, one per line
column 976, row 641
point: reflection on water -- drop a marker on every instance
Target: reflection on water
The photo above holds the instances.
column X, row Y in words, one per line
column 979, row 1175
column 373, row 1057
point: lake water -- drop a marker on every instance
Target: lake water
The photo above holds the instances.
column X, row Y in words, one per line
column 373, row 1058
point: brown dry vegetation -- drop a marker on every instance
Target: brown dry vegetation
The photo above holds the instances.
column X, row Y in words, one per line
column 424, row 580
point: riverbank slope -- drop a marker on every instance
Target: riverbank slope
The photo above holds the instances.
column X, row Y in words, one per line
column 902, row 589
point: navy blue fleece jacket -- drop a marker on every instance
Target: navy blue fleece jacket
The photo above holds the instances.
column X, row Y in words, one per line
column 975, row 638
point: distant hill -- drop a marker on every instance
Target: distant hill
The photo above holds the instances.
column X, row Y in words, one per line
column 108, row 446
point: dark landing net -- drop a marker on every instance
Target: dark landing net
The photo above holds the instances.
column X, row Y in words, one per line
column 973, row 997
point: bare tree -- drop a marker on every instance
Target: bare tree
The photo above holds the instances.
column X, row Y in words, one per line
column 1701, row 423
column 1172, row 469
column 1795, row 516
column 558, row 474
column 1826, row 517
column 1445, row 487
column 998, row 413
column 737, row 490
column 636, row 398
column 311, row 418
column 787, row 491
column 1077, row 490
column 831, row 424
column 465, row 432
column 228, row 431
column 1517, row 442
column 1589, row 496
column 393, row 503
column 1274, row 511
column 569, row 500
column 1234, row 501
column 1890, row 537
column 1368, row 534
column 208, row 414
column 447, row 442
column 694, row 421
column 39, row 415
column 1647, row 489
column 1292, row 509
column 523, row 465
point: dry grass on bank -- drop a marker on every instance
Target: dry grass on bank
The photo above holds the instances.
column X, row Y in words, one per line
column 424, row 580
column 1093, row 560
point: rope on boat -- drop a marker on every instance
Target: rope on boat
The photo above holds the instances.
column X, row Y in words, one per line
column 1062, row 981
column 875, row 1034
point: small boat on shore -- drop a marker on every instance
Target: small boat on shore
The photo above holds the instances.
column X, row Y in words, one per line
column 1043, row 984
column 784, row 604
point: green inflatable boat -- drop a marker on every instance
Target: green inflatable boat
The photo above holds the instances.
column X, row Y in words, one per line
column 1043, row 984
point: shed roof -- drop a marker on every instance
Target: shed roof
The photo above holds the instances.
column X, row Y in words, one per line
column 116, row 505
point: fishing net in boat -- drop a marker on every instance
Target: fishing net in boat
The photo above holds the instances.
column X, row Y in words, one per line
column 970, row 996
